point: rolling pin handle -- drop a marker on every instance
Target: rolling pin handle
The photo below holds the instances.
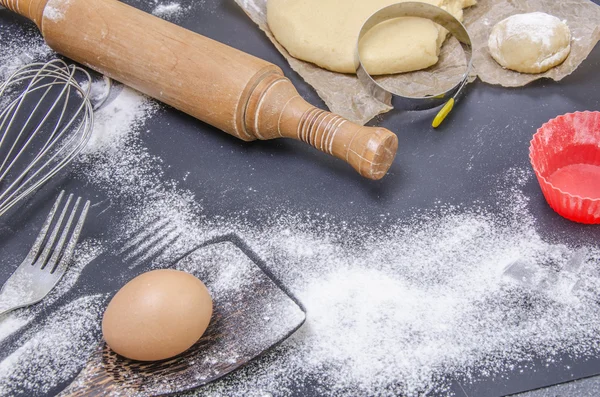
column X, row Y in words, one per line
column 369, row 150
column 31, row 9
column 276, row 110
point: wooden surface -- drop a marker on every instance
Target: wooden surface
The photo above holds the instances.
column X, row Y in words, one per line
column 229, row 89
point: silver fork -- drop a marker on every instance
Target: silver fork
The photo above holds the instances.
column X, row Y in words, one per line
column 142, row 246
column 48, row 259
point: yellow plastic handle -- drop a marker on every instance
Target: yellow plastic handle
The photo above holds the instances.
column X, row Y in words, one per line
column 443, row 113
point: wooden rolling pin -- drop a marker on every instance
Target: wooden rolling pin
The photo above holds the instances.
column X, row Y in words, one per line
column 240, row 94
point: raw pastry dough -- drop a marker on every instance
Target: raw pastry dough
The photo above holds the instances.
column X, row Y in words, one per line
column 530, row 43
column 324, row 32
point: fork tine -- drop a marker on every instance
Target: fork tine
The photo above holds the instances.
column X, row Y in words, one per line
column 68, row 253
column 50, row 242
column 30, row 284
column 35, row 249
column 63, row 237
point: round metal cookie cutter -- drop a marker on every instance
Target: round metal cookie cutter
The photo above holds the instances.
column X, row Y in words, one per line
column 422, row 10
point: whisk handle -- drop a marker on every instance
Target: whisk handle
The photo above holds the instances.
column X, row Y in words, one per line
column 236, row 92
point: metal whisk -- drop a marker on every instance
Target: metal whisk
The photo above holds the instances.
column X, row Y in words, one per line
column 46, row 120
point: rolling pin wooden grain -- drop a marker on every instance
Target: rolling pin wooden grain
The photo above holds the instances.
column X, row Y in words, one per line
column 236, row 92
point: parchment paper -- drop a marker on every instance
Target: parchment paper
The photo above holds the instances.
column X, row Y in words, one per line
column 344, row 94
column 582, row 17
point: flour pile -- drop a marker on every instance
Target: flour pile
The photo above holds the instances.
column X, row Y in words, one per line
column 412, row 307
column 168, row 11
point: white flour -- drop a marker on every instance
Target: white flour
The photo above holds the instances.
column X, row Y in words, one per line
column 115, row 122
column 20, row 49
column 55, row 9
column 536, row 25
column 169, row 10
column 413, row 302
column 9, row 324
column 55, row 351
column 389, row 311
column 54, row 14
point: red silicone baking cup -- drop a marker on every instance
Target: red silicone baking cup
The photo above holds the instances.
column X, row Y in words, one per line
column 569, row 142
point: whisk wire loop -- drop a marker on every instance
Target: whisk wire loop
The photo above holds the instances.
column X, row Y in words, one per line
column 42, row 127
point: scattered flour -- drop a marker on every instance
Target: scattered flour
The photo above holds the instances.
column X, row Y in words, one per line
column 115, row 121
column 18, row 50
column 9, row 324
column 389, row 311
column 399, row 313
column 535, row 25
column 53, row 352
column 401, row 310
column 168, row 11
column 55, row 9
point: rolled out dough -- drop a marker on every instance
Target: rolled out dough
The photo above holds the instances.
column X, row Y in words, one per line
column 324, row 32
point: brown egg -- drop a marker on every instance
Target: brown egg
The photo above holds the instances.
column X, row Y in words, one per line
column 157, row 315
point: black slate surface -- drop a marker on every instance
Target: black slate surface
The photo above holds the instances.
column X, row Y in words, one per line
column 487, row 134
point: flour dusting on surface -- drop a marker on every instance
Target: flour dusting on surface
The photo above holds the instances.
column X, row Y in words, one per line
column 18, row 50
column 408, row 309
column 431, row 291
column 52, row 352
column 401, row 310
column 168, row 10
column 9, row 324
column 536, row 27
column 55, row 10
column 54, row 14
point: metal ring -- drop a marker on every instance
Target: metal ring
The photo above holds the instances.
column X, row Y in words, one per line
column 421, row 10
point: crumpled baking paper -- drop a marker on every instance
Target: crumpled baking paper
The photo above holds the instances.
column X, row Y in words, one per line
column 345, row 95
column 582, row 17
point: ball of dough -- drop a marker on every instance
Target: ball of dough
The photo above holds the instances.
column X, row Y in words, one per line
column 530, row 43
column 325, row 32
